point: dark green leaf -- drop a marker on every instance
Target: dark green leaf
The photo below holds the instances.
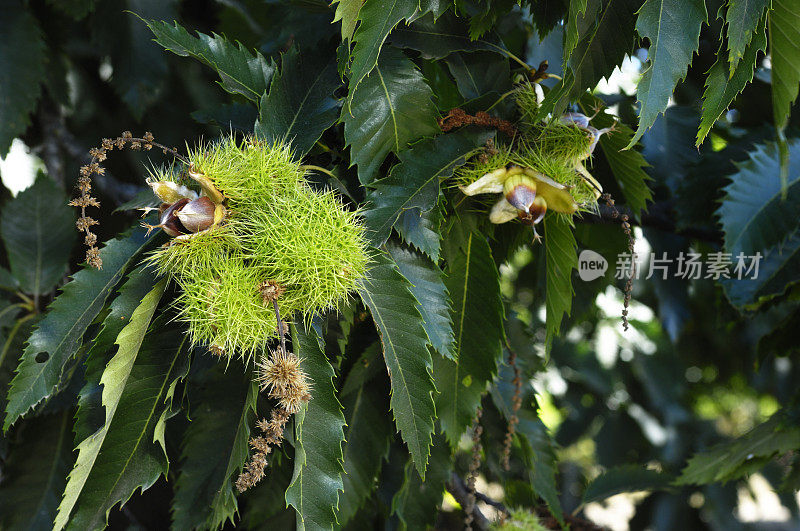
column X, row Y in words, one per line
column 414, row 183
column 428, row 288
column 439, row 39
column 376, row 19
column 673, row 28
column 480, row 73
column 59, row 334
column 91, row 413
column 722, row 88
column 562, row 258
column 300, row 104
column 784, row 45
column 753, row 214
column 347, row 12
column 318, row 434
column 628, row 478
column 724, row 461
column 22, row 62
column 742, row 19
column 474, row 285
column 368, row 433
column 215, row 447
column 574, row 27
column 236, row 116
column 392, row 107
column 421, row 229
column 417, row 502
column 778, row 269
column 139, row 65
column 606, row 35
column 38, row 230
column 265, row 506
column 133, row 453
column 7, row 281
column 241, row 71
column 35, row 473
column 115, row 381
column 12, row 343
column 77, row 9
column 405, row 349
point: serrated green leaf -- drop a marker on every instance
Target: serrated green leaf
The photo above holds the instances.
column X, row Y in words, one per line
column 38, row 229
column 215, row 447
column 376, row 20
column 628, row 478
column 368, row 434
column 742, row 19
column 562, row 257
column 405, row 349
column 22, row 61
column 606, row 35
column 318, row 435
column 427, row 286
column 421, row 230
column 132, row 453
column 480, row 73
column 753, row 214
column 59, row 333
column 91, row 414
column 778, row 269
column 414, row 183
column 723, row 462
column 440, row 38
column 574, row 26
column 722, row 88
column 784, row 47
column 114, row 381
column 417, row 502
column 300, row 104
column 35, row 473
column 474, row 286
column 536, row 445
column 347, row 12
column 241, row 71
column 392, row 107
column 627, row 165
column 673, row 28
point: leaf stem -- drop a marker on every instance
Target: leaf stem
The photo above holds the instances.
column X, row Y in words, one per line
column 320, row 169
column 11, row 335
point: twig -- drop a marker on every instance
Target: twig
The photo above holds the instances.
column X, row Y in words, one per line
column 657, row 217
column 279, row 325
column 458, row 488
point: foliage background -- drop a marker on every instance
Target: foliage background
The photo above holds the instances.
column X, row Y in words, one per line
column 704, row 362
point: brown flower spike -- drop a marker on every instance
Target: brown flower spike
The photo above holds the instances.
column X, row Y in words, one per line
column 84, row 185
column 280, row 376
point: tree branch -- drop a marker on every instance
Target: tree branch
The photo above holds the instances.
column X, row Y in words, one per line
column 458, row 489
column 657, row 217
